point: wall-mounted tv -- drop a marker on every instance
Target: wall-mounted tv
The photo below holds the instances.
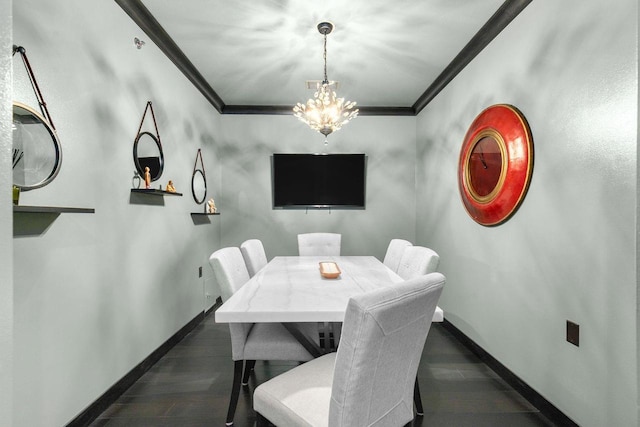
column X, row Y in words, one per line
column 302, row 181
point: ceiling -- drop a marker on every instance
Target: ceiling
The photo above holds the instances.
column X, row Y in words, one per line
column 256, row 55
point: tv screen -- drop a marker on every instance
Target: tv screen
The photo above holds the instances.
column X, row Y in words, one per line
column 318, row 181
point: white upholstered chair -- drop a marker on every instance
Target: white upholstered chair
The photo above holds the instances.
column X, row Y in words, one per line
column 321, row 244
column 254, row 255
column 417, row 261
column 394, row 253
column 369, row 381
column 253, row 341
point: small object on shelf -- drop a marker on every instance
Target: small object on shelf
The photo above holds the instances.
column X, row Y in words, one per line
column 329, row 270
column 211, row 206
column 136, row 180
column 16, row 195
column 17, row 156
column 147, row 178
column 170, row 188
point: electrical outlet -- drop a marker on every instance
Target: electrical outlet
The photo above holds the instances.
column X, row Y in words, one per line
column 573, row 333
column 200, row 271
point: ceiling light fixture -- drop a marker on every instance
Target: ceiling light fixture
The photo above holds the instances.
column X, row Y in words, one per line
column 326, row 112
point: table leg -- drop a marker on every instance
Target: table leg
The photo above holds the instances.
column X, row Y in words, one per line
column 311, row 346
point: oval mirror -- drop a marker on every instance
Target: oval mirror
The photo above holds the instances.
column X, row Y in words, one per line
column 198, row 186
column 147, row 152
column 37, row 154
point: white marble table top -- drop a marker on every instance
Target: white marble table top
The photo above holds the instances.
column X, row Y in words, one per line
column 291, row 289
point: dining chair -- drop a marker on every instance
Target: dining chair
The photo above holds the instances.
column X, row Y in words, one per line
column 254, row 255
column 253, row 341
column 394, row 253
column 320, row 244
column 369, row 380
column 417, row 261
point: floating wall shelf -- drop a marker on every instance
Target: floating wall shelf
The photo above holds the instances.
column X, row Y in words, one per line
column 154, row 192
column 204, row 214
column 50, row 209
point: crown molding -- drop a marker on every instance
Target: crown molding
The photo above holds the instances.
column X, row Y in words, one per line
column 147, row 23
column 287, row 110
column 498, row 22
column 152, row 28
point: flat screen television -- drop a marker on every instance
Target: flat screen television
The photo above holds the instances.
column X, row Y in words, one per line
column 302, row 181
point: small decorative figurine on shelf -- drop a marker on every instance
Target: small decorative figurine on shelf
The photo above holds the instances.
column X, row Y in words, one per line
column 211, row 206
column 170, row 187
column 136, row 180
column 147, row 177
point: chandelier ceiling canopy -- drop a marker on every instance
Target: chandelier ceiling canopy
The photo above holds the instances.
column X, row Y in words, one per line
column 325, row 112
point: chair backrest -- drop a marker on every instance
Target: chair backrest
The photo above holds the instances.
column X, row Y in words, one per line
column 254, row 255
column 417, row 261
column 319, row 244
column 229, row 269
column 383, row 336
column 394, row 253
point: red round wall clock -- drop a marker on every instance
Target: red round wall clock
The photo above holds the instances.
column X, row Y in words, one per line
column 495, row 166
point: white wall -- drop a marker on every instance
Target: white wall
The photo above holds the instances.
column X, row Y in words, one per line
column 569, row 252
column 6, row 248
column 245, row 152
column 97, row 293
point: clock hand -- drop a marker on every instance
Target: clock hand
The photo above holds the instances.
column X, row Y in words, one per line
column 484, row 164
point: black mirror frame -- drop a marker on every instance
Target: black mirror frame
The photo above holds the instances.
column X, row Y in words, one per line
column 204, row 178
column 56, row 146
column 136, row 160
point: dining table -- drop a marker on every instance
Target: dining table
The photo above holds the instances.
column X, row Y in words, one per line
column 292, row 289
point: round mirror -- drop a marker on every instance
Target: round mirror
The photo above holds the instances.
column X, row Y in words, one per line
column 147, row 152
column 198, row 186
column 37, row 154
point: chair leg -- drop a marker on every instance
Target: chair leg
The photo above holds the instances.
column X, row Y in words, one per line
column 248, row 367
column 417, row 399
column 235, row 390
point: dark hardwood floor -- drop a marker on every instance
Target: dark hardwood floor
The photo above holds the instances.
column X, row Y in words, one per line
column 190, row 386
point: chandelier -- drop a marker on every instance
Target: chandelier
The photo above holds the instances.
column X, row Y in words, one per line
column 326, row 112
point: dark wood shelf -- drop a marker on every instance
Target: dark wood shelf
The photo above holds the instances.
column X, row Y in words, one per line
column 204, row 214
column 154, row 192
column 51, row 209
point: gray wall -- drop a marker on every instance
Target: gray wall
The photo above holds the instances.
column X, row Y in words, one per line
column 6, row 248
column 247, row 145
column 97, row 293
column 569, row 252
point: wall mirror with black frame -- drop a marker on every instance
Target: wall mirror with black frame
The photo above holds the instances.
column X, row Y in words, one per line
column 199, row 180
column 147, row 149
column 37, row 155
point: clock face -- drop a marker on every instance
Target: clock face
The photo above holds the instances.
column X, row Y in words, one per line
column 496, row 161
column 485, row 167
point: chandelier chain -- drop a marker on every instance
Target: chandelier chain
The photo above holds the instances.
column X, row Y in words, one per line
column 326, row 80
